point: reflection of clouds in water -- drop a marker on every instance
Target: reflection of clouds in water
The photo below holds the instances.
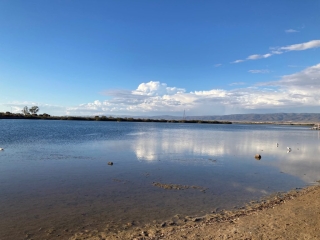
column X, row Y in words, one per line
column 186, row 144
column 136, row 133
column 145, row 154
column 209, row 143
column 301, row 161
column 145, row 148
column 149, row 146
column 255, row 190
column 250, row 189
column 306, row 168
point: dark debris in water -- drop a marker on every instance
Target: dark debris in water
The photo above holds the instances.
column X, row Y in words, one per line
column 212, row 160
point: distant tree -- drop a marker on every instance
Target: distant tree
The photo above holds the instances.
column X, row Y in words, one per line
column 34, row 109
column 25, row 110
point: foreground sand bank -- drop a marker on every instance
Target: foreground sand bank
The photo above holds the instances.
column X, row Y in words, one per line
column 294, row 215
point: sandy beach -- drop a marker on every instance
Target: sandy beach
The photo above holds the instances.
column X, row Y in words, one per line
column 293, row 215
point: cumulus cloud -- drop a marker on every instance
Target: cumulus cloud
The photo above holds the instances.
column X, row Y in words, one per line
column 156, row 88
column 291, row 91
column 281, row 50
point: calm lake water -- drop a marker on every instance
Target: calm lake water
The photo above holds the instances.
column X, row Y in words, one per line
column 55, row 177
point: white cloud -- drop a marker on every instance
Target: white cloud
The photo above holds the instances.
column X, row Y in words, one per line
column 289, row 92
column 281, row 50
column 259, row 71
column 308, row 78
column 218, row 65
column 156, row 88
column 254, row 57
column 302, row 46
column 291, row 31
column 274, row 52
column 257, row 56
column 238, row 61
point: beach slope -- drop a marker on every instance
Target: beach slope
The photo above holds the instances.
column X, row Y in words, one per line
column 294, row 215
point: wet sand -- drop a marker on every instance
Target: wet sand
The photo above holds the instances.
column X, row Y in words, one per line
column 293, row 215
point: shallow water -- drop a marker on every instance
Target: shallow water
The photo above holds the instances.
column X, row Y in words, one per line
column 55, row 180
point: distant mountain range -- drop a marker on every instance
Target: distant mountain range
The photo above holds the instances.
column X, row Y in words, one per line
column 270, row 117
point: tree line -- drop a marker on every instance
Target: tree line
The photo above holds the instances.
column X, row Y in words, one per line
column 32, row 110
column 27, row 114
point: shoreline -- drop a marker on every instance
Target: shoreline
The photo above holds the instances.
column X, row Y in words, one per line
column 106, row 119
column 310, row 124
column 295, row 213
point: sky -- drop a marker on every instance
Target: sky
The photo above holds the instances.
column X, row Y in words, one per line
column 149, row 58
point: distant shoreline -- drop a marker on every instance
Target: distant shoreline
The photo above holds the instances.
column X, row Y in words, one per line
column 108, row 119
column 153, row 119
column 276, row 123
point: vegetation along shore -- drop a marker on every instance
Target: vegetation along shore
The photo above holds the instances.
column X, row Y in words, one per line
column 9, row 115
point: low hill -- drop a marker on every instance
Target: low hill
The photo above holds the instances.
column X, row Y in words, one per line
column 273, row 117
column 270, row 117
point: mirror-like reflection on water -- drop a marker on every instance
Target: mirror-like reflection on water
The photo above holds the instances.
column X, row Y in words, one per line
column 54, row 175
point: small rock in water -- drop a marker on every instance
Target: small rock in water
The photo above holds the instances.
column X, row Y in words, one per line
column 1, row 149
column 110, row 163
column 257, row 156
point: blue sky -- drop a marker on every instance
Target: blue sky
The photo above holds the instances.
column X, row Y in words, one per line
column 160, row 57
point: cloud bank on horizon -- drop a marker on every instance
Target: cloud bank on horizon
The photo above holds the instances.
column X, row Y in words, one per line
column 298, row 90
